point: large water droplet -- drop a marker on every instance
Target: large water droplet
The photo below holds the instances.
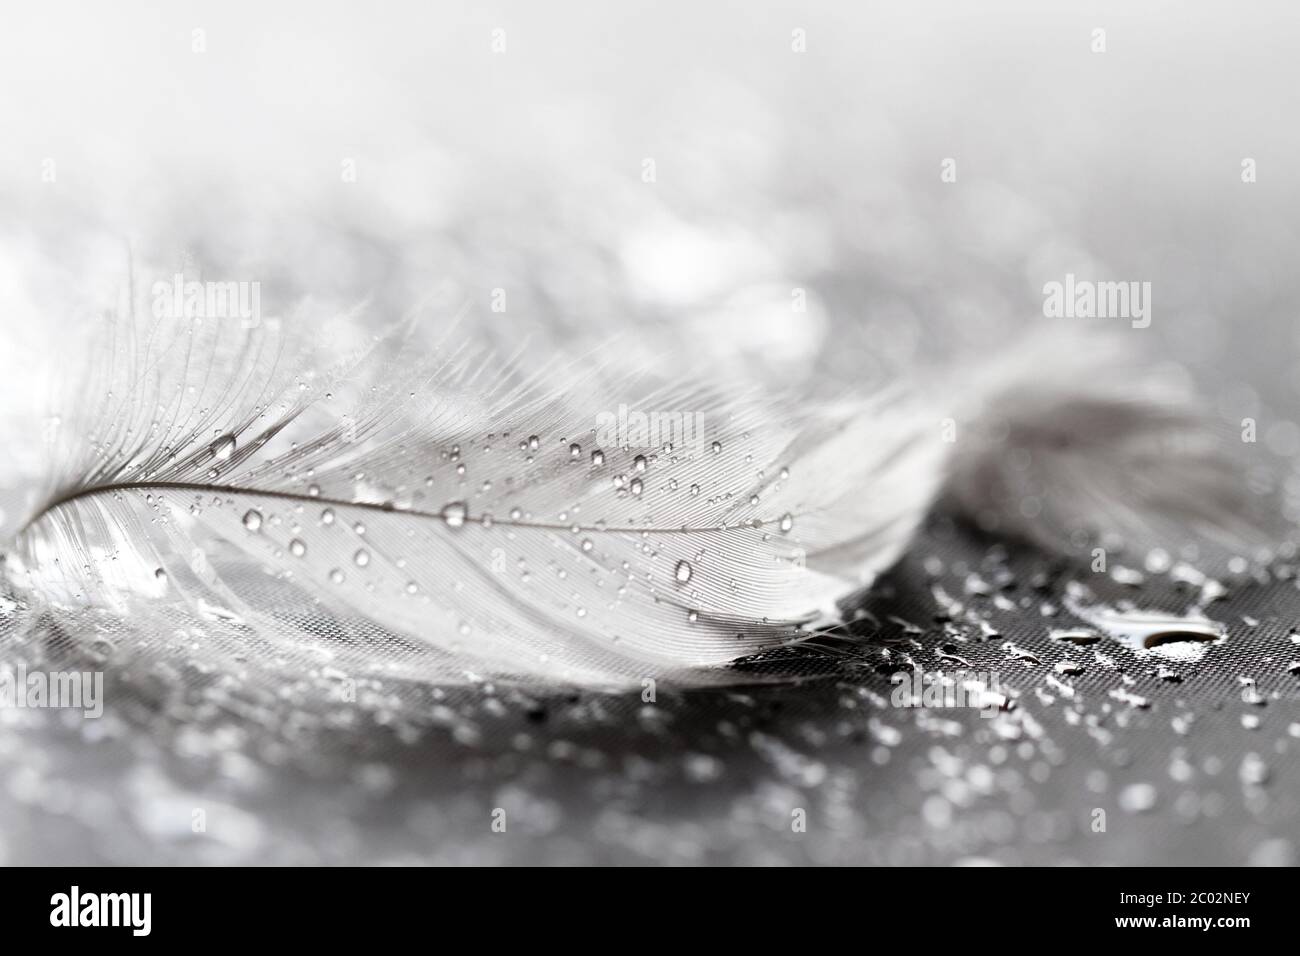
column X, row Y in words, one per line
column 597, row 458
column 361, row 558
column 787, row 522
column 1173, row 637
column 297, row 548
column 327, row 516
column 717, row 447
column 454, row 513
column 253, row 519
column 575, row 451
column 683, row 572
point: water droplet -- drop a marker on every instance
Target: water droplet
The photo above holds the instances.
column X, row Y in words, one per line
column 223, row 447
column 534, row 443
column 160, row 575
column 683, row 572
column 701, row 768
column 693, row 616
column 297, row 548
column 1138, row 797
column 597, row 458
column 695, row 490
column 1018, row 653
column 454, row 513
column 1123, row 694
column 411, row 587
column 336, row 576
column 1253, row 771
column 361, row 558
column 575, row 451
column 327, row 516
column 636, row 486
column 639, row 463
column 717, row 447
column 586, row 544
column 253, row 519
column 313, row 491
column 787, row 521
column 1075, row 636
column 1069, row 667
column 1172, row 637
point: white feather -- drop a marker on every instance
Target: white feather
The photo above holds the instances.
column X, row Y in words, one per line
column 289, row 505
column 1075, row 442
column 215, row 490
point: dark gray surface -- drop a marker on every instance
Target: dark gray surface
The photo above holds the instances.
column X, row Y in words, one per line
column 716, row 776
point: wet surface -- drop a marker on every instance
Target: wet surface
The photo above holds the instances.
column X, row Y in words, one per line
column 1104, row 761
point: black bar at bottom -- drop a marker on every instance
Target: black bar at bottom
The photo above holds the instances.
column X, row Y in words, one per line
column 332, row 906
